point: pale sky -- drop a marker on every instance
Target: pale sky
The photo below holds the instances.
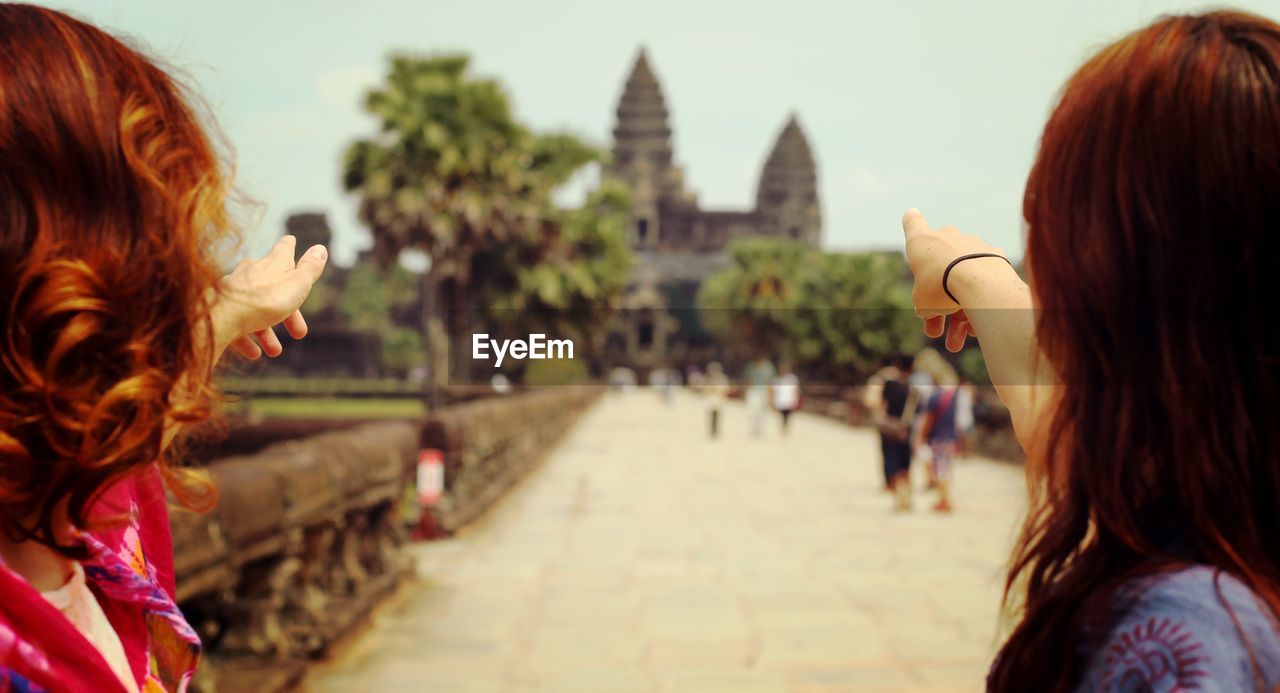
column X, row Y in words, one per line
column 936, row 105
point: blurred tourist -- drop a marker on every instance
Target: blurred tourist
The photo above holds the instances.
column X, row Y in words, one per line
column 786, row 394
column 892, row 404
column 925, row 369
column 759, row 376
column 938, row 432
column 966, row 396
column 716, row 387
column 694, row 378
column 665, row 381
column 622, row 379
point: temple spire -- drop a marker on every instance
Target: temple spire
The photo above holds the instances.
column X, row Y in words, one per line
column 643, row 130
column 642, row 152
column 787, row 198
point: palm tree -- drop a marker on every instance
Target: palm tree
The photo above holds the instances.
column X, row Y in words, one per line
column 567, row 277
column 451, row 173
column 837, row 314
column 748, row 304
column 855, row 310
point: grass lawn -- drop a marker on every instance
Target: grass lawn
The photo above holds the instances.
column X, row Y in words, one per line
column 329, row 407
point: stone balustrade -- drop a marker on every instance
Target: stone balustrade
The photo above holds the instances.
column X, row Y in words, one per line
column 490, row 444
column 307, row 534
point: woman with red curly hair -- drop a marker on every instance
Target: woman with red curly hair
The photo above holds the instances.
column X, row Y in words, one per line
column 1141, row 366
column 113, row 313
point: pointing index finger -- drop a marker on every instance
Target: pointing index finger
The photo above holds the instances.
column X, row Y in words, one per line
column 913, row 222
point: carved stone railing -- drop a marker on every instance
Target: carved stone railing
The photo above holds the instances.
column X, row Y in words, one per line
column 311, row 519
column 491, row 444
column 304, row 540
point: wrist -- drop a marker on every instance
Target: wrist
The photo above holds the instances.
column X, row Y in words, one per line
column 971, row 279
column 223, row 329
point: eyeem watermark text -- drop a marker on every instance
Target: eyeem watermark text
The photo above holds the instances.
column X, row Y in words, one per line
column 537, row 348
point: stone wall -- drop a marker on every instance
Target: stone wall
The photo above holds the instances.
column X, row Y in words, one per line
column 491, row 444
column 304, row 540
column 312, row 516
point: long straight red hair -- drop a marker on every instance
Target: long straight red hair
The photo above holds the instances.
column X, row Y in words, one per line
column 112, row 204
column 1154, row 255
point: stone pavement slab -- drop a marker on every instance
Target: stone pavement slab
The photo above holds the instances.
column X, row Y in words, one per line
column 643, row 556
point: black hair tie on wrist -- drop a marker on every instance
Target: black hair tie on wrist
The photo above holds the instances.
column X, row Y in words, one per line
column 947, row 272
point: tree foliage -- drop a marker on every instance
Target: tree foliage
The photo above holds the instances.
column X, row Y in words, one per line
column 453, row 173
column 751, row 303
column 855, row 310
column 834, row 314
column 449, row 169
column 373, row 293
column 567, row 278
column 370, row 301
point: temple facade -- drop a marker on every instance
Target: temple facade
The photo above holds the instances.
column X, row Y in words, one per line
column 679, row 243
column 666, row 215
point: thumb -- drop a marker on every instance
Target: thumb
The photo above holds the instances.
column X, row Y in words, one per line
column 913, row 222
column 312, row 263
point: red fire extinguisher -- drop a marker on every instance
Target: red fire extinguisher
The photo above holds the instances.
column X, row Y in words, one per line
column 430, row 477
column 430, row 489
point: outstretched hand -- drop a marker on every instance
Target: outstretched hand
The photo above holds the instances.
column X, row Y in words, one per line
column 1001, row 312
column 929, row 251
column 260, row 294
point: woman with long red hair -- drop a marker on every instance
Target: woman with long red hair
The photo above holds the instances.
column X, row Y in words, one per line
column 113, row 313
column 1141, row 365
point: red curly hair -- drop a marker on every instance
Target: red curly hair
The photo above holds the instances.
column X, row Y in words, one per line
column 112, row 205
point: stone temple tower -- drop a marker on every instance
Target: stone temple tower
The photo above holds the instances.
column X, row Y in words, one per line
column 666, row 217
column 643, row 156
column 678, row 242
column 787, row 199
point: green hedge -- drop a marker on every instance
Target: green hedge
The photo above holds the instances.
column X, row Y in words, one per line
column 372, row 387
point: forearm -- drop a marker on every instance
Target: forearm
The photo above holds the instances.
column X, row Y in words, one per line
column 873, row 401
column 998, row 305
